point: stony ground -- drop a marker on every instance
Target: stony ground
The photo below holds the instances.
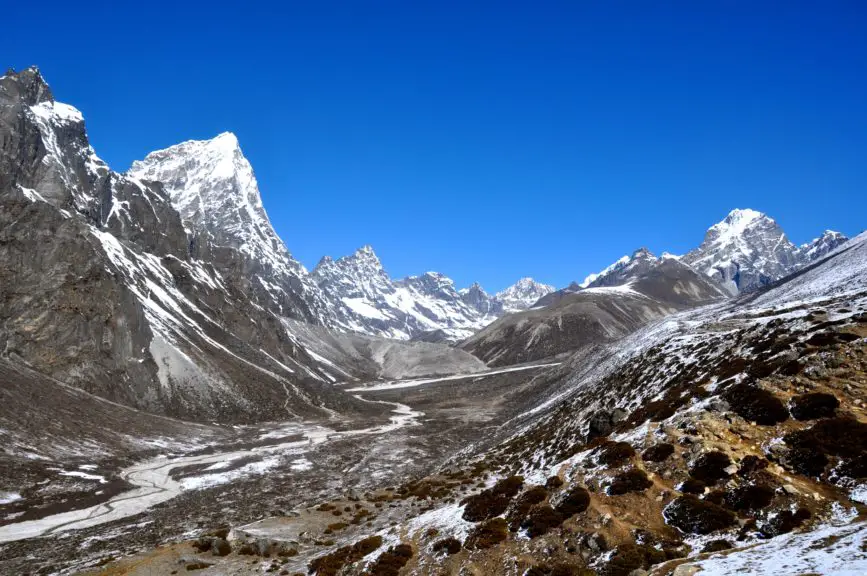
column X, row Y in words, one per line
column 746, row 446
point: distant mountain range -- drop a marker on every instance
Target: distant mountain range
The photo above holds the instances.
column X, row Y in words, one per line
column 171, row 276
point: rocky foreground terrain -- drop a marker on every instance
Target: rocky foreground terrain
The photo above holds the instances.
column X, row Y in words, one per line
column 728, row 439
column 179, row 395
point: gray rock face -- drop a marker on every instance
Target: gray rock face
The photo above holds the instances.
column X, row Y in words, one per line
column 820, row 247
column 212, row 185
column 366, row 300
column 476, row 297
column 745, row 251
column 101, row 288
column 749, row 250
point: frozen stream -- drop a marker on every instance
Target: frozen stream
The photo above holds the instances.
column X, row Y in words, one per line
column 153, row 483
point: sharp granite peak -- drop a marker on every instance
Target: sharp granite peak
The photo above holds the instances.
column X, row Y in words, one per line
column 424, row 307
column 748, row 250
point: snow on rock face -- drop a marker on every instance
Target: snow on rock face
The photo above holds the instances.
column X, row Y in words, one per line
column 523, row 294
column 745, row 251
column 622, row 270
column 367, row 300
column 821, row 246
column 212, row 186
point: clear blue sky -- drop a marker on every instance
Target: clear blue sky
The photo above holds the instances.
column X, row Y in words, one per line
column 491, row 140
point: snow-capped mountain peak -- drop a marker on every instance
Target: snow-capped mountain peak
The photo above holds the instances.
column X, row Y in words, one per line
column 523, row 294
column 212, row 185
column 626, row 266
column 744, row 251
column 821, row 246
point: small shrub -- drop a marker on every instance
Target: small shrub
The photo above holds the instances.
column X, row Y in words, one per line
column 750, row 464
column 694, row 516
column 553, row 483
column 447, row 546
column 717, row 546
column 813, row 405
column 658, row 452
column 855, row 468
column 492, row 502
column 755, row 404
column 332, row 564
column 784, row 522
column 710, row 467
column 540, row 520
column 391, row 561
column 615, row 453
column 809, row 448
column 692, row 486
column 487, row 534
column 522, row 505
column 751, row 497
column 630, row 557
column 575, row 501
column 633, row 480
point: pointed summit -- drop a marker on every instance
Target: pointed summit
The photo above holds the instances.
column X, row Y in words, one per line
column 623, row 270
column 212, row 186
column 820, row 247
column 744, row 251
column 523, row 294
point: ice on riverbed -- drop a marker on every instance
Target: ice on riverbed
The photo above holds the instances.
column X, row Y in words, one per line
column 9, row 497
column 208, row 480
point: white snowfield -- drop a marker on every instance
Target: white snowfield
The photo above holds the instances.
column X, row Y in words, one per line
column 154, row 483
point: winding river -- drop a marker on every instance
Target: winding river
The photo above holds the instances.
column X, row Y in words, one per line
column 154, row 484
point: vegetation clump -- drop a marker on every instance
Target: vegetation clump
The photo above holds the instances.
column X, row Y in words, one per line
column 575, row 501
column 809, row 449
column 630, row 557
column 710, row 467
column 750, row 497
column 750, row 464
column 784, row 522
column 717, row 546
column 331, row 564
column 553, row 483
column 391, row 561
column 633, row 480
column 692, row 486
column 540, row 520
column 448, row 546
column 522, row 505
column 487, row 534
column 658, row 452
column 694, row 516
column 755, row 404
column 614, row 453
column 813, row 405
column 492, row 502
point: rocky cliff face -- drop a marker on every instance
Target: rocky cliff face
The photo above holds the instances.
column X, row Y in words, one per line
column 745, row 251
column 366, row 300
column 820, row 247
column 212, row 186
column 101, row 286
